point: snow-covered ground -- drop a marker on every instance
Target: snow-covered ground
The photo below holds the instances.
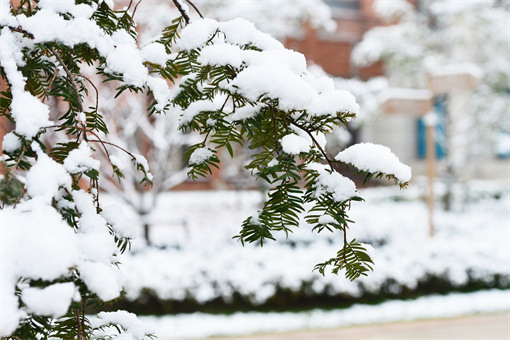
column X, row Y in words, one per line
column 199, row 325
column 195, row 256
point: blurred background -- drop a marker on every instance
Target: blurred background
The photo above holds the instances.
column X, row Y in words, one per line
column 402, row 60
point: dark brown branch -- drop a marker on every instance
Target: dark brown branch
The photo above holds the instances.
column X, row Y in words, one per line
column 115, row 145
column 330, row 162
column 95, row 89
column 19, row 29
column 80, row 334
column 134, row 11
column 181, row 9
column 195, row 8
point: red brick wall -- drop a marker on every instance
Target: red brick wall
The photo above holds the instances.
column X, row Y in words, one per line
column 332, row 51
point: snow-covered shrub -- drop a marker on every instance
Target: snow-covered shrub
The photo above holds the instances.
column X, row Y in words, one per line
column 60, row 245
column 469, row 251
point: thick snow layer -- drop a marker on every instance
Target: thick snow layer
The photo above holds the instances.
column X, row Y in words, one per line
column 273, row 72
column 467, row 246
column 50, row 301
column 115, row 215
column 155, row 53
column 47, row 25
column 275, row 81
column 46, row 177
column 48, row 254
column 294, row 144
column 200, row 155
column 199, row 325
column 200, row 106
column 245, row 112
column 11, row 142
column 29, row 124
column 341, row 187
column 375, row 158
column 102, row 279
column 80, row 160
column 221, row 54
column 328, row 102
column 134, row 329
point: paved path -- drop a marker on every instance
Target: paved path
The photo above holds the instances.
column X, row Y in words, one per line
column 480, row 327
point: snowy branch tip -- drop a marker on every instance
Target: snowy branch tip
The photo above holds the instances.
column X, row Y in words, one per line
column 375, row 159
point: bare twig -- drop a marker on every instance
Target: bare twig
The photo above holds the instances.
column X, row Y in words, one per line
column 195, row 8
column 115, row 145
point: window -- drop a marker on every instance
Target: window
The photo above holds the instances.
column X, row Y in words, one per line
column 440, row 105
column 348, row 4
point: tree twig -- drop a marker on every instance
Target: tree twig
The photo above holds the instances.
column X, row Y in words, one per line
column 181, row 9
column 195, row 8
column 72, row 79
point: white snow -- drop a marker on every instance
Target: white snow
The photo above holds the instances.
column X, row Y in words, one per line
column 400, row 93
column 330, row 102
column 184, row 326
column 456, row 69
column 274, row 72
column 11, row 142
column 49, row 253
column 174, row 269
column 241, row 32
column 341, row 187
column 200, row 155
column 375, row 158
column 326, row 219
column 80, row 160
column 276, row 82
column 160, row 90
column 155, row 53
column 115, row 215
column 221, row 54
column 29, row 113
column 196, row 34
column 391, row 10
column 141, row 160
column 245, row 112
column 52, row 301
column 133, row 327
column 294, row 144
column 199, row 106
column 102, row 279
column 46, row 177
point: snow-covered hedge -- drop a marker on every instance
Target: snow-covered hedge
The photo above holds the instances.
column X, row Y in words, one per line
column 470, row 250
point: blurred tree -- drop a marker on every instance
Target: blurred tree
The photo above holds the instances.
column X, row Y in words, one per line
column 443, row 32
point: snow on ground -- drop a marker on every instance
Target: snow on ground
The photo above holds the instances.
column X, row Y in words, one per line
column 198, row 325
column 195, row 256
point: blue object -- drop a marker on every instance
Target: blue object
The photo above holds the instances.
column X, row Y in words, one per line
column 440, row 105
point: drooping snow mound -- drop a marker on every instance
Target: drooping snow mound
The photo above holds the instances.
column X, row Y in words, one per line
column 341, row 187
column 375, row 158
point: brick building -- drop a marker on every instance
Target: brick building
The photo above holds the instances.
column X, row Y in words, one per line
column 332, row 50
